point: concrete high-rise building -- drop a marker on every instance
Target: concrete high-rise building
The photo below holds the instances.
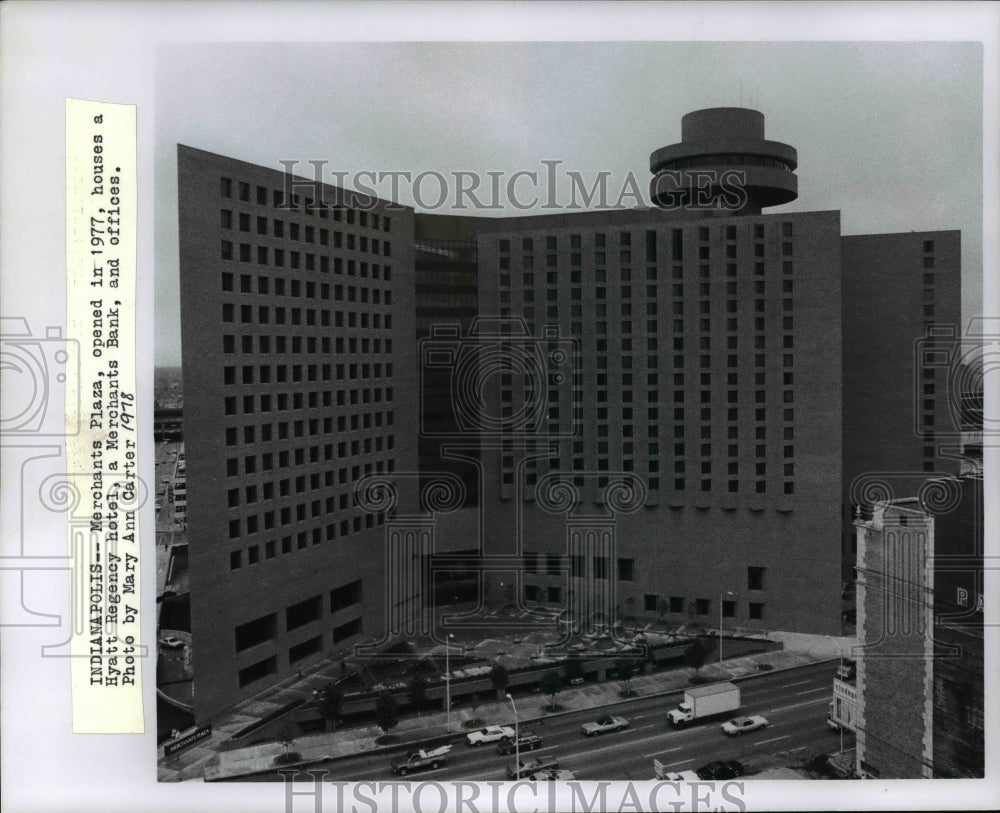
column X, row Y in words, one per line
column 660, row 411
column 300, row 380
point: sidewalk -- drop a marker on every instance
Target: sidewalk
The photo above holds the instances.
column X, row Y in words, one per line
column 207, row 761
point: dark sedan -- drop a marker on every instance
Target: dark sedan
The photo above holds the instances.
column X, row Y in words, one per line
column 721, row 769
column 527, row 742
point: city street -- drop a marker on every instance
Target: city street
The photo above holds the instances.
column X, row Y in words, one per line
column 795, row 702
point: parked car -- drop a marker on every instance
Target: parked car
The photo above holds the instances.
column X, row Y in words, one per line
column 170, row 642
column 721, row 769
column 492, row 733
column 533, row 766
column 742, row 725
column 558, row 775
column 603, row 725
column 526, row 742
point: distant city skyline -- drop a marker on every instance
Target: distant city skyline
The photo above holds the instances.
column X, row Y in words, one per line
column 888, row 133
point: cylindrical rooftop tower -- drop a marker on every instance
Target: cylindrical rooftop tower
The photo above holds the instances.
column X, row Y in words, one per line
column 723, row 164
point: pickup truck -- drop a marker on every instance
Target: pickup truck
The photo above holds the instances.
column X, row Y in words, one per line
column 533, row 766
column 420, row 760
column 705, row 701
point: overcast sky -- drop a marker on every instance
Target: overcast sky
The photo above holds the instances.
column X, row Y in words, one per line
column 888, row 133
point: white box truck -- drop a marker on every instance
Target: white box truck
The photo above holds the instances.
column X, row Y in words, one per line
column 705, row 701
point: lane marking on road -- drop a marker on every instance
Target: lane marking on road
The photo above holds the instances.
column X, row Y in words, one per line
column 813, row 691
column 773, row 739
column 629, row 744
column 668, row 751
column 798, row 705
column 682, row 762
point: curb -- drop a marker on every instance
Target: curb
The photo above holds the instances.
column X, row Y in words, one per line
column 445, row 738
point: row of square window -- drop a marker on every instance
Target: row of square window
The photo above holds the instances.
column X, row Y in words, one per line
column 344, row 475
column 651, row 429
column 554, row 464
column 652, row 467
column 653, row 463
column 653, row 362
column 364, row 320
column 787, row 434
column 295, row 259
column 314, row 399
column 307, row 372
column 249, row 525
column 554, row 413
column 728, row 232
column 278, row 200
column 599, row 294
column 626, row 327
column 652, row 379
column 285, row 430
column 280, row 400
column 625, row 289
column 283, row 373
column 554, row 566
column 652, row 325
column 653, row 483
column 625, row 256
column 269, row 666
column 286, row 487
column 309, row 234
column 600, row 311
column 652, row 415
column 675, row 605
column 653, row 449
column 308, row 289
column 250, row 494
column 624, row 275
column 309, row 344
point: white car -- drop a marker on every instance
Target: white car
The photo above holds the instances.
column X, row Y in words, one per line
column 170, row 642
column 603, row 725
column 741, row 725
column 555, row 775
column 492, row 733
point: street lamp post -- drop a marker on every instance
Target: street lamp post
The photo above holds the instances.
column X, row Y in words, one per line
column 447, row 676
column 517, row 740
column 721, row 600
